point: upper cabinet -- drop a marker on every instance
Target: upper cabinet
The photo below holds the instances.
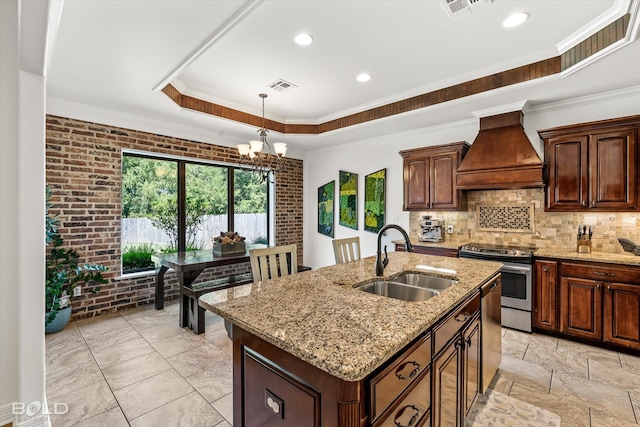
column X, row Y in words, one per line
column 593, row 166
column 429, row 177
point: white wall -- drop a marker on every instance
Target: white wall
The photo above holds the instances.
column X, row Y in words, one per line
column 22, row 122
column 364, row 157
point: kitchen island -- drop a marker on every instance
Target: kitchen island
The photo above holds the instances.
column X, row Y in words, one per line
column 309, row 349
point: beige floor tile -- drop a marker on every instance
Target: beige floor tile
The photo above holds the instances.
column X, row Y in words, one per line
column 571, row 414
column 163, row 331
column 629, row 362
column 120, row 353
column 513, row 348
column 112, row 338
column 179, row 344
column 84, row 403
column 81, row 375
column 206, row 358
column 591, row 393
column 497, row 409
column 558, row 361
column 527, row 373
column 153, row 318
column 538, row 340
column 126, row 373
column 68, row 359
column 101, row 324
column 224, row 406
column 68, row 336
column 213, row 385
column 602, row 419
column 190, row 410
column 111, row 418
column 221, row 340
column 601, row 355
column 501, row 384
column 151, row 393
column 635, row 401
column 224, row 424
column 140, row 311
column 615, row 377
column 213, row 322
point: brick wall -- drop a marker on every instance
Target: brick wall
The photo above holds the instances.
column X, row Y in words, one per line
column 83, row 169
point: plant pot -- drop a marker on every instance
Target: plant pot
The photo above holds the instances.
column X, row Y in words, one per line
column 59, row 322
column 222, row 250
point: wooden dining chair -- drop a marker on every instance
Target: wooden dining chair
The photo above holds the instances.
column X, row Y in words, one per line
column 346, row 250
column 269, row 263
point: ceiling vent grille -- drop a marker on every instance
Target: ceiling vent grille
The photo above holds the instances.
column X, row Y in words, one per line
column 281, row 85
column 458, row 7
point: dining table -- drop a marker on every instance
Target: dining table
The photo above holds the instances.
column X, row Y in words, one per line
column 188, row 265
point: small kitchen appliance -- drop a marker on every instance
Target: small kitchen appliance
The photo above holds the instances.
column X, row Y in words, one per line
column 431, row 230
column 517, row 280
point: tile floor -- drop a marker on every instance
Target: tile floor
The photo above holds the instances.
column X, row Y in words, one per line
column 138, row 368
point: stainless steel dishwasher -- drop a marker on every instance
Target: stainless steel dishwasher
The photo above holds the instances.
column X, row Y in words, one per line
column 490, row 312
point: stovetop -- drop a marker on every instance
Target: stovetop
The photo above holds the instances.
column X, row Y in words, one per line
column 498, row 251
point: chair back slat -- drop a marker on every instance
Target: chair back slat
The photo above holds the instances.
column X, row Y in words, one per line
column 346, row 250
column 269, row 263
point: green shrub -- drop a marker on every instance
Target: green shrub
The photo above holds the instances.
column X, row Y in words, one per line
column 138, row 256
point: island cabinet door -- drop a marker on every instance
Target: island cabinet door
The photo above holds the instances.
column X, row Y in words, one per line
column 272, row 398
column 471, row 367
column 545, row 295
column 445, row 411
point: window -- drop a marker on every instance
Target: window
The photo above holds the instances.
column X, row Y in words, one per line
column 171, row 204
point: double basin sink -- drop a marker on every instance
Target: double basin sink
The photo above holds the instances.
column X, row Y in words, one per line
column 409, row 287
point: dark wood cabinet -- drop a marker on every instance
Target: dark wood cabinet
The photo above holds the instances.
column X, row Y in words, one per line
column 622, row 314
column 545, row 294
column 430, row 250
column 593, row 166
column 456, row 366
column 595, row 301
column 429, row 177
column 581, row 307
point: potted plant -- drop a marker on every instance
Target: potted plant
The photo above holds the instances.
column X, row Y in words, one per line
column 63, row 274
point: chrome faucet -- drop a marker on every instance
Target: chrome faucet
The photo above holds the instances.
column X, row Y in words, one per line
column 380, row 263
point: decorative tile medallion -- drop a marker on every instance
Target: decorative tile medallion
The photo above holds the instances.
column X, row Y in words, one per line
column 509, row 218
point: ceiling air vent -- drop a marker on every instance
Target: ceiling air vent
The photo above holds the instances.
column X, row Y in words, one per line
column 281, row 85
column 459, row 7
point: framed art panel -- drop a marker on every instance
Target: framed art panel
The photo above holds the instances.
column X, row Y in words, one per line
column 325, row 208
column 348, row 197
column 374, row 200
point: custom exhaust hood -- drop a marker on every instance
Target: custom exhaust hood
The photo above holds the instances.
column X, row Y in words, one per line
column 500, row 157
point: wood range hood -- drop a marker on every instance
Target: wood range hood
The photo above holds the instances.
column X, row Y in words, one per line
column 501, row 157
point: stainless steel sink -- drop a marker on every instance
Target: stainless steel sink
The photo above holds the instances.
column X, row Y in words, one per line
column 424, row 281
column 401, row 291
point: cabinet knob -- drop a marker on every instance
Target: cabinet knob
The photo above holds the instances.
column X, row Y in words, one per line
column 414, row 366
column 600, row 273
column 545, row 268
column 468, row 340
column 593, row 203
column 597, row 285
column 608, row 288
column 461, row 317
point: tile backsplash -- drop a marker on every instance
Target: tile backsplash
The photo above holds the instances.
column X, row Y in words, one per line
column 557, row 229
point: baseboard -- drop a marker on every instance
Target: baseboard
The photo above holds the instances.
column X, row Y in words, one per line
column 7, row 420
column 6, row 415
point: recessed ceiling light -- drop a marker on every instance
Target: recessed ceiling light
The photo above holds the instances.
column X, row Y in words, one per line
column 515, row 19
column 364, row 77
column 303, row 39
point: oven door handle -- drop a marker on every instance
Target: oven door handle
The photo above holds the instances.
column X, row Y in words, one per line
column 516, row 268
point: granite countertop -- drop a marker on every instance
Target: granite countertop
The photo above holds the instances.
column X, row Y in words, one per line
column 320, row 318
column 626, row 258
column 447, row 244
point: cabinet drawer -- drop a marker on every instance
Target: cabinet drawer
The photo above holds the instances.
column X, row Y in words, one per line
column 446, row 329
column 606, row 273
column 390, row 383
column 412, row 409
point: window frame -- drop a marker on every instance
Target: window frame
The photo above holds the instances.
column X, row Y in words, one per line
column 182, row 161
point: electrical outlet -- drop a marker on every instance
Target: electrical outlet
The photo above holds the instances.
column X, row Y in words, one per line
column 77, row 291
column 450, row 229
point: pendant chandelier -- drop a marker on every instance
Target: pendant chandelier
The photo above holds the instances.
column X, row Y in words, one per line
column 260, row 155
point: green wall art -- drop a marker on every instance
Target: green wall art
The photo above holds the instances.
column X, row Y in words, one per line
column 325, row 208
column 374, row 200
column 348, row 199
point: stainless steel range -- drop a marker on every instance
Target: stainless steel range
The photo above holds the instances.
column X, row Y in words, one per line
column 517, row 280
